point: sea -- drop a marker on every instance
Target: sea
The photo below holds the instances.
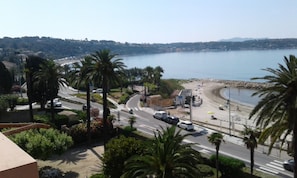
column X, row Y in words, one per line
column 222, row 65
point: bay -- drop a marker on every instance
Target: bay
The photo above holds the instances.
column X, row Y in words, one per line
column 222, row 65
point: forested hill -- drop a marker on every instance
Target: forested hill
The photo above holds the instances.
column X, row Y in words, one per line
column 58, row 48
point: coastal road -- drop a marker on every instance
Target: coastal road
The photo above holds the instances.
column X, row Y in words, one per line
column 263, row 162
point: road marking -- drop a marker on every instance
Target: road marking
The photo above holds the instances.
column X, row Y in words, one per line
column 268, row 169
column 149, row 133
column 264, row 171
column 275, row 167
column 188, row 141
column 205, row 151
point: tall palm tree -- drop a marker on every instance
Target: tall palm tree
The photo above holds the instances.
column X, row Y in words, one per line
column 51, row 75
column 216, row 139
column 278, row 106
column 165, row 157
column 78, row 77
column 250, row 140
column 157, row 75
column 104, row 69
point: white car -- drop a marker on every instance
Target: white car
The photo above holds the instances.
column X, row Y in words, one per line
column 187, row 125
column 56, row 101
column 161, row 115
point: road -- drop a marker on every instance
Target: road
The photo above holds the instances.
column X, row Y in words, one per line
column 263, row 162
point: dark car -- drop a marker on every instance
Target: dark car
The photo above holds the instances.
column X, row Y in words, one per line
column 289, row 164
column 172, row 120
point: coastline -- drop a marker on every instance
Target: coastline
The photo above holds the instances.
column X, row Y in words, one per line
column 209, row 91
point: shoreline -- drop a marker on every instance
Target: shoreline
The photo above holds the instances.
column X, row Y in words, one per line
column 209, row 89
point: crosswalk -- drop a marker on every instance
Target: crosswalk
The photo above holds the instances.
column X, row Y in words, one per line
column 273, row 167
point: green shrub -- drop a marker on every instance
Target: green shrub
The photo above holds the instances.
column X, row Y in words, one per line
column 124, row 98
column 42, row 118
column 61, row 120
column 205, row 170
column 22, row 101
column 229, row 167
column 98, row 176
column 42, row 143
column 118, row 150
column 78, row 132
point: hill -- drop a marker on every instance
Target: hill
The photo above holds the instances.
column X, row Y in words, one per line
column 58, row 48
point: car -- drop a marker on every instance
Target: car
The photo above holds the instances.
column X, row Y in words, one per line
column 161, row 115
column 172, row 120
column 187, row 125
column 98, row 90
column 56, row 101
column 289, row 165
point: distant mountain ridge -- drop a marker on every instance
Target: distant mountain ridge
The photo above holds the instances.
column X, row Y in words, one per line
column 239, row 39
column 58, row 48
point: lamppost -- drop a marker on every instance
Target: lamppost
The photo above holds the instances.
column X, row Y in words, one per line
column 229, row 107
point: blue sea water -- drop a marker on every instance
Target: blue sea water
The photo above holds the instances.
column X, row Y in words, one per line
column 224, row 65
column 227, row 65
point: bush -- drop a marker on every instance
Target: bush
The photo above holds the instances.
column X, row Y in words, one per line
column 124, row 98
column 229, row 167
column 61, row 120
column 118, row 150
column 22, row 101
column 42, row 143
column 78, row 132
column 98, row 176
column 205, row 170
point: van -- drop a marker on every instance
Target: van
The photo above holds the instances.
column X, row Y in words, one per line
column 161, row 115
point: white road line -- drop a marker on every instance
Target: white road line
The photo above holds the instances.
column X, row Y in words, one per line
column 277, row 161
column 275, row 167
column 261, row 170
column 205, row 151
column 269, row 170
column 188, row 141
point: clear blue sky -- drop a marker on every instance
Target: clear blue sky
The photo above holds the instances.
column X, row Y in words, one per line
column 149, row 21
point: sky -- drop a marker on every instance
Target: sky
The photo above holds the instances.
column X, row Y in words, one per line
column 149, row 21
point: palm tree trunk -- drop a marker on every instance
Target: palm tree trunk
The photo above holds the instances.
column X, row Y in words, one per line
column 30, row 90
column 252, row 160
column 52, row 110
column 217, row 162
column 105, row 110
column 88, row 114
column 295, row 146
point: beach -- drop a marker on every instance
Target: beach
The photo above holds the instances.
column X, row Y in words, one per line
column 214, row 105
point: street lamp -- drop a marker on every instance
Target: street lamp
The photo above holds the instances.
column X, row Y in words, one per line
column 229, row 107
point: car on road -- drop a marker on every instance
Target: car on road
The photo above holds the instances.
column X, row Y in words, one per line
column 172, row 120
column 187, row 125
column 161, row 115
column 56, row 101
column 98, row 90
column 289, row 165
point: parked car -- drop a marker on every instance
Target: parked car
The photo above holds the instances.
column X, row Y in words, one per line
column 187, row 125
column 172, row 120
column 161, row 115
column 289, row 165
column 98, row 90
column 56, row 101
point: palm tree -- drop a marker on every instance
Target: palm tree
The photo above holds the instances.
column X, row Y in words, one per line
column 278, row 106
column 216, row 139
column 250, row 140
column 104, row 69
column 51, row 75
column 79, row 77
column 165, row 157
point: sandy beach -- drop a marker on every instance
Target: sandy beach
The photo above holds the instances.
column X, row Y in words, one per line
column 209, row 91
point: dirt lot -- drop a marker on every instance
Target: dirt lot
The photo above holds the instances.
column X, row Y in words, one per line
column 79, row 162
